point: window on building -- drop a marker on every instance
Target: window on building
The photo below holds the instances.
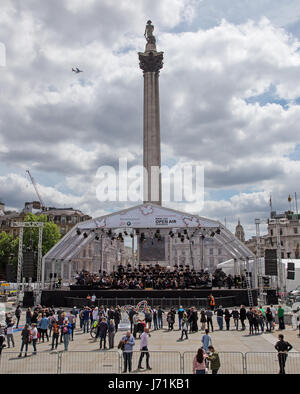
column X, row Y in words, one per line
column 211, row 252
column 74, row 219
column 295, row 230
column 63, row 220
column 280, row 231
column 271, row 232
column 282, row 255
column 219, row 251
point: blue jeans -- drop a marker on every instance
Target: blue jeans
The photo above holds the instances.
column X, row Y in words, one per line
column 22, row 346
column 127, row 361
column 200, row 371
column 220, row 322
column 86, row 325
column 160, row 322
column 66, row 340
column 179, row 320
column 155, row 324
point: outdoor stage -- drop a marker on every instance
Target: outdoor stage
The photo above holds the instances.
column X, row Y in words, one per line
column 165, row 298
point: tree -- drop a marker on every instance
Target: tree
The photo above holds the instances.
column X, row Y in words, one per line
column 8, row 251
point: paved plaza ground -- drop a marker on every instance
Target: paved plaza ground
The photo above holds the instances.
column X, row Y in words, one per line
column 166, row 341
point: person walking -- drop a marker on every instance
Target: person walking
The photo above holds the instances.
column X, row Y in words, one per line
column 184, row 327
column 206, row 340
column 128, row 344
column 283, row 347
column 25, row 335
column 209, row 317
column 199, row 362
column 18, row 313
column 144, row 349
column 111, row 334
column 236, row 316
column 103, row 327
column 148, row 318
column 34, row 336
column 214, row 360
column 280, row 314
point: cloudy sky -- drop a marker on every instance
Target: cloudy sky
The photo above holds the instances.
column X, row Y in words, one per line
column 229, row 98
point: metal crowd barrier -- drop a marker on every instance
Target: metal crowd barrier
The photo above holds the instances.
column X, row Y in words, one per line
column 161, row 362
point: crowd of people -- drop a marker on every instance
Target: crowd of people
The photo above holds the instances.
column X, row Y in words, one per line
column 158, row 278
column 42, row 324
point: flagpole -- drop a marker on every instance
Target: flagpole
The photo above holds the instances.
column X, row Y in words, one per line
column 296, row 203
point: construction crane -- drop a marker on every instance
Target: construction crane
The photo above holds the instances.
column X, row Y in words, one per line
column 43, row 207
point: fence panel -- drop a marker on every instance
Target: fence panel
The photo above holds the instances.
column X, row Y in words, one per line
column 95, row 362
column 41, row 363
column 161, row 362
column 231, row 363
column 267, row 363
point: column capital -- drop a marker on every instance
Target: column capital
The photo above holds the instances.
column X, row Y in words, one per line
column 151, row 61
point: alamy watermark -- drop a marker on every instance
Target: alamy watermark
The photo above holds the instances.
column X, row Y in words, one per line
column 180, row 183
column 2, row 55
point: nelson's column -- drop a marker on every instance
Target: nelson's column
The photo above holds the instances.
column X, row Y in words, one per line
column 151, row 62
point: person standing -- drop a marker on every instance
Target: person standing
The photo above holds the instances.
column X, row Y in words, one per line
column 25, row 335
column 67, row 331
column 212, row 302
column 28, row 316
column 269, row 320
column 206, row 341
column 283, row 347
column 34, row 336
column 261, row 320
column 10, row 334
column 86, row 319
column 18, row 313
column 155, row 319
column 236, row 316
column 220, row 314
column 43, row 326
column 203, row 320
column 111, row 334
column 55, row 335
column 214, row 359
column 184, row 327
column 128, row 342
column 71, row 319
column 243, row 316
column 144, row 349
column 199, row 362
column 2, row 338
column 209, row 316
column 250, row 317
column 117, row 317
column 273, row 310
column 227, row 316
column 102, row 332
column 131, row 313
column 180, row 315
column 160, row 313
column 280, row 314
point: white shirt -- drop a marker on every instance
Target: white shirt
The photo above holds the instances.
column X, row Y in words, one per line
column 144, row 340
column 273, row 310
column 34, row 333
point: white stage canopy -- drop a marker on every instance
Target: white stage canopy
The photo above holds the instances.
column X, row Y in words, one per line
column 145, row 217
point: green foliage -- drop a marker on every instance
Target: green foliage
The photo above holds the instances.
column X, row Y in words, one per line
column 8, row 247
column 51, row 233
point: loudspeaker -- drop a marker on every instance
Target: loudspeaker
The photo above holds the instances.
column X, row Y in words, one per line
column 28, row 264
column 271, row 262
column 272, row 298
column 51, row 275
column 55, row 275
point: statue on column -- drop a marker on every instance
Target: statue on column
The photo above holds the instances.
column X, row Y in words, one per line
column 149, row 33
